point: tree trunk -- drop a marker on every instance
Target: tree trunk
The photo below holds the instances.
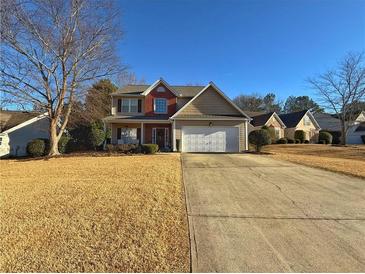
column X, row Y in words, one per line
column 53, row 139
column 343, row 132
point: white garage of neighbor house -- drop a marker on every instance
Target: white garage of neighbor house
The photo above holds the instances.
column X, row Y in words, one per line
column 356, row 130
column 18, row 129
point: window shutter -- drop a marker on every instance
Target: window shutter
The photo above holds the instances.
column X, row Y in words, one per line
column 139, row 105
column 119, row 105
column 119, row 132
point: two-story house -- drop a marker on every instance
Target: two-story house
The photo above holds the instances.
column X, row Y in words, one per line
column 180, row 118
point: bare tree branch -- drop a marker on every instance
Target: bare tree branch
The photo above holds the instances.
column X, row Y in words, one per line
column 342, row 89
column 50, row 48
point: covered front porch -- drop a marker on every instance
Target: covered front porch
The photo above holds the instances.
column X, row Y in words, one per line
column 141, row 132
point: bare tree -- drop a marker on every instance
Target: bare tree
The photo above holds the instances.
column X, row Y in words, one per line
column 342, row 88
column 51, row 48
column 129, row 78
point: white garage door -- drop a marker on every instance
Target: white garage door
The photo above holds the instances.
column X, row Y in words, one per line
column 210, row 139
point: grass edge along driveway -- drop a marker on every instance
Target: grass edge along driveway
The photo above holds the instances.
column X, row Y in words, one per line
column 349, row 160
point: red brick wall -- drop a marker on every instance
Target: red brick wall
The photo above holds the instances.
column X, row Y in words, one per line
column 171, row 102
column 148, row 131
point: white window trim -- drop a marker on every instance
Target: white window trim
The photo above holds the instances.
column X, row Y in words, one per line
column 166, row 140
column 153, row 135
column 167, row 137
column 306, row 120
column 129, row 100
column 154, row 105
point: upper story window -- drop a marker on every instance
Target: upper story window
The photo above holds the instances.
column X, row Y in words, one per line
column 160, row 105
column 307, row 121
column 129, row 105
column 161, row 89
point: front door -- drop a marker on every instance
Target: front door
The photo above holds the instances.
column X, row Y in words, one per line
column 160, row 137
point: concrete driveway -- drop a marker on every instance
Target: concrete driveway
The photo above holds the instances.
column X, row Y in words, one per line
column 250, row 213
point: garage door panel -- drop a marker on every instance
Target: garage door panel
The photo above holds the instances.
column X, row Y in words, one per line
column 210, row 139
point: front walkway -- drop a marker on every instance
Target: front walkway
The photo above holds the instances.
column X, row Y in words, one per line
column 250, row 213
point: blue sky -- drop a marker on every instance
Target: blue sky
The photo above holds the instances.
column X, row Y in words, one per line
column 242, row 46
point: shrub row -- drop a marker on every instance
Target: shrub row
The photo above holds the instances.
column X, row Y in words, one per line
column 291, row 141
column 40, row 147
column 133, row 148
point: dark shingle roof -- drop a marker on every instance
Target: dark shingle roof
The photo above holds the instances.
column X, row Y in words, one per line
column 212, row 116
column 361, row 127
column 259, row 119
column 254, row 113
column 11, row 118
column 138, row 117
column 184, row 91
column 292, row 119
column 327, row 121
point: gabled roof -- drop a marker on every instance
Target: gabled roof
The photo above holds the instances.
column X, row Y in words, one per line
column 158, row 82
column 13, row 120
column 263, row 118
column 182, row 91
column 254, row 113
column 327, row 121
column 211, row 84
column 292, row 119
column 359, row 117
column 361, row 127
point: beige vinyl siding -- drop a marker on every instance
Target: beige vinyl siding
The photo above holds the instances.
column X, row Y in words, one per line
column 115, row 106
column 210, row 102
column 310, row 130
column 182, row 102
column 272, row 122
column 217, row 123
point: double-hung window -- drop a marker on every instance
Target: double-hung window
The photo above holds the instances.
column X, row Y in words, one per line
column 160, row 105
column 127, row 136
column 130, row 105
column 307, row 121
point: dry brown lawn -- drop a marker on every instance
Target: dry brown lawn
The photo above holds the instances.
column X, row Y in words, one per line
column 349, row 160
column 93, row 214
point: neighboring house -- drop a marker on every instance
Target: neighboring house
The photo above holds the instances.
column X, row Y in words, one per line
column 356, row 130
column 327, row 122
column 271, row 120
column 184, row 118
column 301, row 120
column 17, row 128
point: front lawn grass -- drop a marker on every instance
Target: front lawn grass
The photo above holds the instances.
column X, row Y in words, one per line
column 93, row 214
column 349, row 160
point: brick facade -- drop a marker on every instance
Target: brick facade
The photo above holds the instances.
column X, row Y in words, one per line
column 168, row 95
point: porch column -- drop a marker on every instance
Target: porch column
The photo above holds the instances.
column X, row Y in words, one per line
column 173, row 136
column 142, row 133
column 104, row 143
